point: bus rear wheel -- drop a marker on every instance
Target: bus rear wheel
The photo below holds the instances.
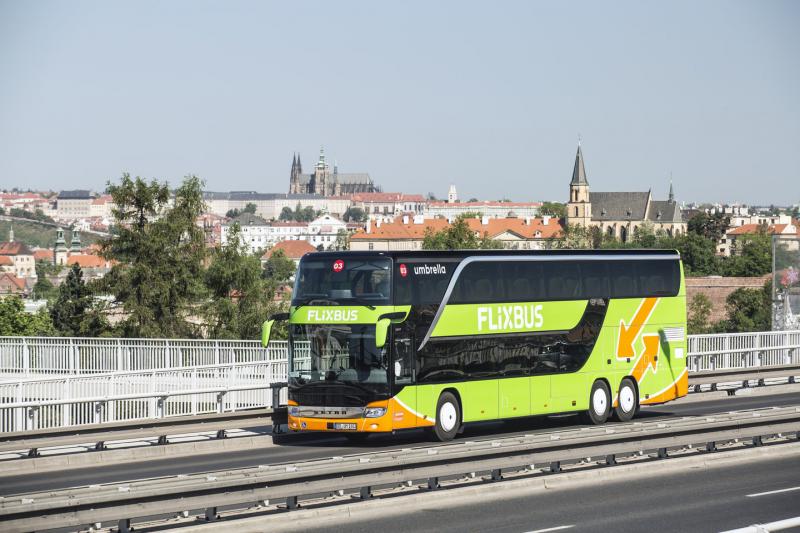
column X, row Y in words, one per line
column 599, row 404
column 628, row 401
column 448, row 417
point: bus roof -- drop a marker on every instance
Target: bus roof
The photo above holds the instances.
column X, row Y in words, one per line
column 456, row 254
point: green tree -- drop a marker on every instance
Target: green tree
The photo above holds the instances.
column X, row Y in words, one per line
column 553, row 209
column 342, row 240
column 711, row 227
column 73, row 312
column 698, row 312
column 457, row 236
column 354, row 214
column 241, row 299
column 751, row 256
column 279, row 268
column 14, row 321
column 286, row 214
column 748, row 310
column 159, row 253
column 697, row 253
column 250, row 208
column 233, row 213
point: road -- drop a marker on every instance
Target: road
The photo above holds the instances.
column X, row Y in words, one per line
column 728, row 497
column 294, row 448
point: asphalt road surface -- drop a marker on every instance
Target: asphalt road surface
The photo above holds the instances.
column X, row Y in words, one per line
column 292, row 448
column 724, row 498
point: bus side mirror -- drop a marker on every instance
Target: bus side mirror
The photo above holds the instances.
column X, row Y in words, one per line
column 266, row 329
column 381, row 329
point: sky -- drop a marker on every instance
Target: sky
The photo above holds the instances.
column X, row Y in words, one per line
column 489, row 96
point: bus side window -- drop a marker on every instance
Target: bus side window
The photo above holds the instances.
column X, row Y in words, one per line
column 563, row 281
column 595, row 279
column 623, row 281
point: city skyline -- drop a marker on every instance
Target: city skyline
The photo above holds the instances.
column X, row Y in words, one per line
column 418, row 96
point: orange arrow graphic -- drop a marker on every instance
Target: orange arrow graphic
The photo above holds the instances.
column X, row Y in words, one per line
column 648, row 358
column 628, row 334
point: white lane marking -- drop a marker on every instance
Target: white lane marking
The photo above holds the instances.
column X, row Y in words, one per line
column 757, row 494
column 557, row 528
column 772, row 526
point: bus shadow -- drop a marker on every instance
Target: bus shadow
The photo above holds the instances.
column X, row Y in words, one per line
column 420, row 437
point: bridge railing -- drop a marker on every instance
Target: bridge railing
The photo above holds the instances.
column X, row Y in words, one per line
column 732, row 351
column 66, row 401
column 30, row 356
column 62, row 382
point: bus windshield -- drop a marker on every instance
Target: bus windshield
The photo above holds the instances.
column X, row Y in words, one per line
column 351, row 280
column 336, row 353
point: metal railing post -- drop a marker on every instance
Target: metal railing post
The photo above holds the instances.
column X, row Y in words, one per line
column 72, row 366
column 26, row 357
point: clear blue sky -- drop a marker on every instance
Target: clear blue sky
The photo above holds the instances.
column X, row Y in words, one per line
column 490, row 96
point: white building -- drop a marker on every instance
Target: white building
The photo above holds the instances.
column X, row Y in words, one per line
column 452, row 209
column 259, row 234
column 388, row 205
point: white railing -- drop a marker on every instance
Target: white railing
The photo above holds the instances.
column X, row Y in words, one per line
column 731, row 351
column 62, row 382
column 120, row 396
column 30, row 356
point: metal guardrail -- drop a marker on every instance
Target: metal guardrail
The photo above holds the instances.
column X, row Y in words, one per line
column 122, row 501
column 61, row 382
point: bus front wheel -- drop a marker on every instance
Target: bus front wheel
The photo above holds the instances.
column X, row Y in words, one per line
column 599, row 404
column 448, row 417
column 628, row 403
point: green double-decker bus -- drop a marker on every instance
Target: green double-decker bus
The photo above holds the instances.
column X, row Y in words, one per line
column 384, row 341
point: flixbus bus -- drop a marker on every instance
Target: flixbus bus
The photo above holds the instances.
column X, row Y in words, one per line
column 384, row 341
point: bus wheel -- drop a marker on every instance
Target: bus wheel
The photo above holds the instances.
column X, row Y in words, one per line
column 599, row 404
column 628, row 403
column 448, row 417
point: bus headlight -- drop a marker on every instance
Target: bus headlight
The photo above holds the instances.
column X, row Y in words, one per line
column 374, row 412
column 294, row 410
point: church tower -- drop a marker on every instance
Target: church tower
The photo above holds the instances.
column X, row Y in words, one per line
column 579, row 207
column 321, row 174
column 60, row 251
column 295, row 186
column 75, row 245
column 452, row 195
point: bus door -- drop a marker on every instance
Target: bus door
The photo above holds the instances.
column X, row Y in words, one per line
column 404, row 370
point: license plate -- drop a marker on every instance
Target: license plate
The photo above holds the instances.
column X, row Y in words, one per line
column 344, row 425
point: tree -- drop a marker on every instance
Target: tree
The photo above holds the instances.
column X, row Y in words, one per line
column 472, row 200
column 241, row 300
column 342, row 240
column 697, row 253
column 711, row 227
column 279, row 268
column 751, row 256
column 232, row 213
column 159, row 253
column 553, row 209
column 698, row 312
column 457, row 236
column 354, row 214
column 73, row 312
column 14, row 321
column 250, row 208
column 286, row 214
column 748, row 310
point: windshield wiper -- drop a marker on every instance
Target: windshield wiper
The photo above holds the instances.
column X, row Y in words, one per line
column 311, row 301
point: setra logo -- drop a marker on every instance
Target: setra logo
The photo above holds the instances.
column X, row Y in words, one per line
column 403, row 270
column 338, row 265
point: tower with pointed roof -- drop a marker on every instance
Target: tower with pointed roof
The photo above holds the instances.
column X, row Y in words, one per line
column 60, row 252
column 75, row 245
column 579, row 207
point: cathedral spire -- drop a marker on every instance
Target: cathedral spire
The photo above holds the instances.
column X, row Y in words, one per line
column 579, row 172
column 671, row 191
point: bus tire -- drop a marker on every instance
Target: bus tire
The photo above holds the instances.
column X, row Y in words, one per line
column 599, row 404
column 628, row 401
column 448, row 417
